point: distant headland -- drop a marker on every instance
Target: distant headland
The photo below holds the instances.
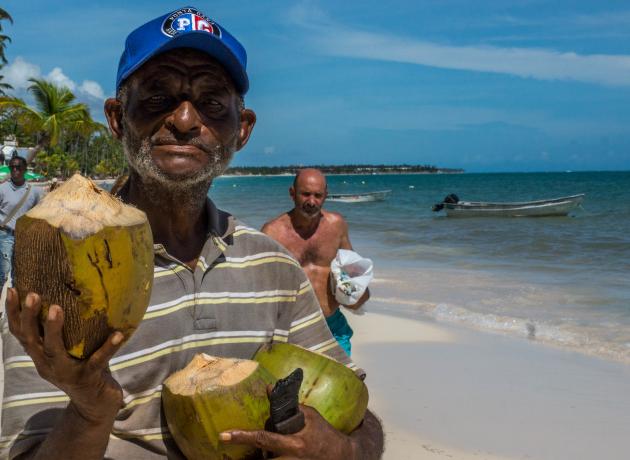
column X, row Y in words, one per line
column 340, row 169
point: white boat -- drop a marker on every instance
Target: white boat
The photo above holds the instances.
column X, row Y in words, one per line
column 541, row 208
column 359, row 197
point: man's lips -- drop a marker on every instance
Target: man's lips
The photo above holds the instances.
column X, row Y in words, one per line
column 179, row 149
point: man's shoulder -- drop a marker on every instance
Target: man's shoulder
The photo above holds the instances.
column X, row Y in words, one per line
column 334, row 218
column 255, row 240
column 276, row 224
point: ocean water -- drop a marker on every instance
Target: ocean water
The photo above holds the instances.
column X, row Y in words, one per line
column 558, row 280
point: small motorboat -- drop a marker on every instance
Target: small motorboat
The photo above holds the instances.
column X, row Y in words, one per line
column 359, row 197
column 540, row 208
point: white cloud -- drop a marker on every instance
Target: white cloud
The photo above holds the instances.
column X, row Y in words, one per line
column 269, row 150
column 93, row 89
column 19, row 71
column 543, row 64
column 57, row 77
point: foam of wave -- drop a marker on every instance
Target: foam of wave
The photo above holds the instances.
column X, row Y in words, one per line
column 575, row 338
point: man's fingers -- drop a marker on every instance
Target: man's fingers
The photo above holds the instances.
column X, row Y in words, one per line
column 12, row 306
column 265, row 440
column 53, row 338
column 29, row 320
column 101, row 357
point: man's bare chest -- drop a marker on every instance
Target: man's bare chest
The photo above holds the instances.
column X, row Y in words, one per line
column 319, row 249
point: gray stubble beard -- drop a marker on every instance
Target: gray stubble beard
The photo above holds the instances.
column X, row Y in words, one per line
column 186, row 192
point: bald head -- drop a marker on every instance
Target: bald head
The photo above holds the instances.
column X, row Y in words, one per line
column 309, row 192
column 309, row 175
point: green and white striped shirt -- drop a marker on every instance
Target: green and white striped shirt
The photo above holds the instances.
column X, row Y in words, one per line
column 246, row 290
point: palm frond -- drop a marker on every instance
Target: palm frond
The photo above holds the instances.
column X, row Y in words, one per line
column 5, row 16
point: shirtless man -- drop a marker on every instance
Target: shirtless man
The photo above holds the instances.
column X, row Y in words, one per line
column 314, row 236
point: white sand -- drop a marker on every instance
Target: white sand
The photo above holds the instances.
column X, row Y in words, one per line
column 448, row 392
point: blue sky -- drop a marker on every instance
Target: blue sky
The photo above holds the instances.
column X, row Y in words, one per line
column 495, row 85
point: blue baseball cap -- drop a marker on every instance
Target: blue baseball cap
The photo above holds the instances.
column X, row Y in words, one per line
column 184, row 28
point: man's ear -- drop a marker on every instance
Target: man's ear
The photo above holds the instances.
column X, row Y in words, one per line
column 248, row 120
column 113, row 113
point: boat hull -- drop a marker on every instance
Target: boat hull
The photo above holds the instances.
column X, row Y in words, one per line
column 358, row 197
column 542, row 208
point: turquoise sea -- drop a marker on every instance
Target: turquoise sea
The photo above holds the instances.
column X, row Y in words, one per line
column 560, row 280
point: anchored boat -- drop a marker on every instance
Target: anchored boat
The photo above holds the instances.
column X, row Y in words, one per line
column 359, row 197
column 540, row 208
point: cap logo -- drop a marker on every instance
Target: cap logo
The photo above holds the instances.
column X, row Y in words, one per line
column 189, row 20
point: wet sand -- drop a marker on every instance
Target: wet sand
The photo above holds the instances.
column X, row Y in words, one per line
column 444, row 391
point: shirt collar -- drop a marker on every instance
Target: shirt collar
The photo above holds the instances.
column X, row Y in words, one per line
column 221, row 223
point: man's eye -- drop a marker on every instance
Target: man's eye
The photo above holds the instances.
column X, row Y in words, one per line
column 211, row 104
column 157, row 100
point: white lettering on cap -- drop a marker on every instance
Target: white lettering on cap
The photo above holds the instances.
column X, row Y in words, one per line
column 182, row 23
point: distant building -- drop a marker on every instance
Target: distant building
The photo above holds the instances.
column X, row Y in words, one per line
column 9, row 149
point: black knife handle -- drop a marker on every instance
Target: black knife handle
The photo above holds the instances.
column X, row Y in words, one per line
column 285, row 415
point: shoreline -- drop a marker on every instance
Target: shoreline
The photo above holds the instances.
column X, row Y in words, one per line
column 445, row 391
column 417, row 294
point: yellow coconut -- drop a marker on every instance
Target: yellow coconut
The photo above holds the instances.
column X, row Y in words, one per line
column 329, row 386
column 212, row 395
column 88, row 252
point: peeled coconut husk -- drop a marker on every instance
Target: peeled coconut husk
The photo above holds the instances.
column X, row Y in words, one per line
column 212, row 395
column 91, row 254
column 328, row 386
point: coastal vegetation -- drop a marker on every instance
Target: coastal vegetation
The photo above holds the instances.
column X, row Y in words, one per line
column 61, row 131
column 65, row 137
column 342, row 169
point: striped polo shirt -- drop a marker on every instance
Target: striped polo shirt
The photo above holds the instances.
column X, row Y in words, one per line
column 246, row 290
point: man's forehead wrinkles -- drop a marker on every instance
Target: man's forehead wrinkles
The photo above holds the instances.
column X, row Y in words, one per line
column 164, row 71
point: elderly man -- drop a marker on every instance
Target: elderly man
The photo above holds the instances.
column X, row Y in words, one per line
column 219, row 286
column 16, row 198
column 314, row 236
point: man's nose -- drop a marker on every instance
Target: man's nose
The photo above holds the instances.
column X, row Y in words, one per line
column 184, row 119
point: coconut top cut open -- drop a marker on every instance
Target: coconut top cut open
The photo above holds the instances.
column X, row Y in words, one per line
column 80, row 208
column 209, row 373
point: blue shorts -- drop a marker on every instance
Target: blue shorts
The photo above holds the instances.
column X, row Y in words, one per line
column 341, row 330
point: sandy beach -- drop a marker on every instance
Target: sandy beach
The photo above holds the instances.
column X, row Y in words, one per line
column 444, row 391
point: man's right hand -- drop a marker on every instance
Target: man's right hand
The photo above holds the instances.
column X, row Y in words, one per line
column 94, row 394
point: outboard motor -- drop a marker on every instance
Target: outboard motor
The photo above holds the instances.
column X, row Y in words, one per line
column 450, row 199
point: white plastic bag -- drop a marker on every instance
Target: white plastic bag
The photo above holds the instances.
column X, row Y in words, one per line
column 350, row 275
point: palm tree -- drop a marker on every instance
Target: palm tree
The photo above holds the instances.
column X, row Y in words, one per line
column 54, row 112
column 4, row 38
column 3, row 85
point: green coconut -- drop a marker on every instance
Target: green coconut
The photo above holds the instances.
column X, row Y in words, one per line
column 212, row 395
column 328, row 386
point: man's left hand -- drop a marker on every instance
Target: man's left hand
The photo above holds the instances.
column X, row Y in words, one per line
column 318, row 440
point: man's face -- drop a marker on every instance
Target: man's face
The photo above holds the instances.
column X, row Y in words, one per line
column 181, row 119
column 309, row 195
column 17, row 169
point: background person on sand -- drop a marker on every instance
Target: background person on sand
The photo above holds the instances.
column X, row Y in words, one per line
column 314, row 236
column 16, row 198
column 180, row 115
